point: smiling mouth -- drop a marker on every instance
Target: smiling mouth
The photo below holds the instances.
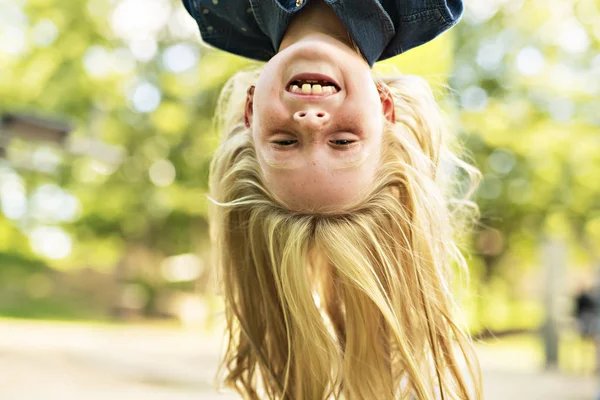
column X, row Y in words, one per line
column 313, row 85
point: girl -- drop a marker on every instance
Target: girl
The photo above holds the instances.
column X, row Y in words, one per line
column 333, row 220
column 314, row 109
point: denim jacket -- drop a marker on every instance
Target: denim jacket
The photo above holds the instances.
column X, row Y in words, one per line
column 381, row 28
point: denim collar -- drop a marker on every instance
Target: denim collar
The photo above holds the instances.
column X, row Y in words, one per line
column 366, row 20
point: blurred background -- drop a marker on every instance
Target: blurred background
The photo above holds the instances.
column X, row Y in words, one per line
column 106, row 288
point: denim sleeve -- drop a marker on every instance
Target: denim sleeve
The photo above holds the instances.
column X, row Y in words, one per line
column 231, row 26
column 418, row 22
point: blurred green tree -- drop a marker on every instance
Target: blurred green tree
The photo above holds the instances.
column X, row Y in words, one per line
column 128, row 189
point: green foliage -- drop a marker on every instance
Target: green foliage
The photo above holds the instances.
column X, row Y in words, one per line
column 526, row 102
column 527, row 77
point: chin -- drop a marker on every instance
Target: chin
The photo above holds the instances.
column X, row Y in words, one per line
column 314, row 50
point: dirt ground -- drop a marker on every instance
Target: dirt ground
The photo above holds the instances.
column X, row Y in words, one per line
column 60, row 361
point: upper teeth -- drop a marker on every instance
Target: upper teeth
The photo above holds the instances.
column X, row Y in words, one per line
column 313, row 88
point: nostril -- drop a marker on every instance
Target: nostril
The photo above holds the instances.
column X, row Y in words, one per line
column 320, row 115
column 302, row 114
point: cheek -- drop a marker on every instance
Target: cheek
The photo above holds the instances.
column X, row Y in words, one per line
column 269, row 111
column 365, row 119
column 267, row 103
column 268, row 118
column 365, row 110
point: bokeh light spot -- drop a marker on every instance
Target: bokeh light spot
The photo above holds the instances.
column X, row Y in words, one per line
column 530, row 61
column 162, row 173
column 561, row 109
column 50, row 203
column 51, row 242
column 140, row 19
column 143, row 50
column 490, row 188
column 13, row 197
column 180, row 58
column 490, row 55
column 13, row 40
column 146, row 97
column 572, row 37
column 474, row 99
column 44, row 33
column 97, row 62
column 502, row 161
column 181, row 268
column 46, row 160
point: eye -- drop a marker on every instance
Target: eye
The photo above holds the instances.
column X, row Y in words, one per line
column 343, row 144
column 287, row 143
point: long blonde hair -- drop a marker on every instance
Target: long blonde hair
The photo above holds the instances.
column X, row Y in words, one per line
column 354, row 304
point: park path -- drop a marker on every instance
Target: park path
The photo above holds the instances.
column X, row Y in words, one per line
column 63, row 361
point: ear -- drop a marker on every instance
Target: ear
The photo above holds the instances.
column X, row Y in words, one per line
column 249, row 110
column 387, row 102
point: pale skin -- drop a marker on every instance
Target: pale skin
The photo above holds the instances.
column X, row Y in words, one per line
column 318, row 151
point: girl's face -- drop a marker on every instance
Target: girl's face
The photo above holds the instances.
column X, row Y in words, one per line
column 317, row 121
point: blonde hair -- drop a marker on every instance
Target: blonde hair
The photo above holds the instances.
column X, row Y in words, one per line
column 353, row 304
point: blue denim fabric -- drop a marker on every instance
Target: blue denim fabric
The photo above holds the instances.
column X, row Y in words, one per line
column 380, row 28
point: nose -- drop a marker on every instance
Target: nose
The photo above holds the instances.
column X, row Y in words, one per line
column 311, row 118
